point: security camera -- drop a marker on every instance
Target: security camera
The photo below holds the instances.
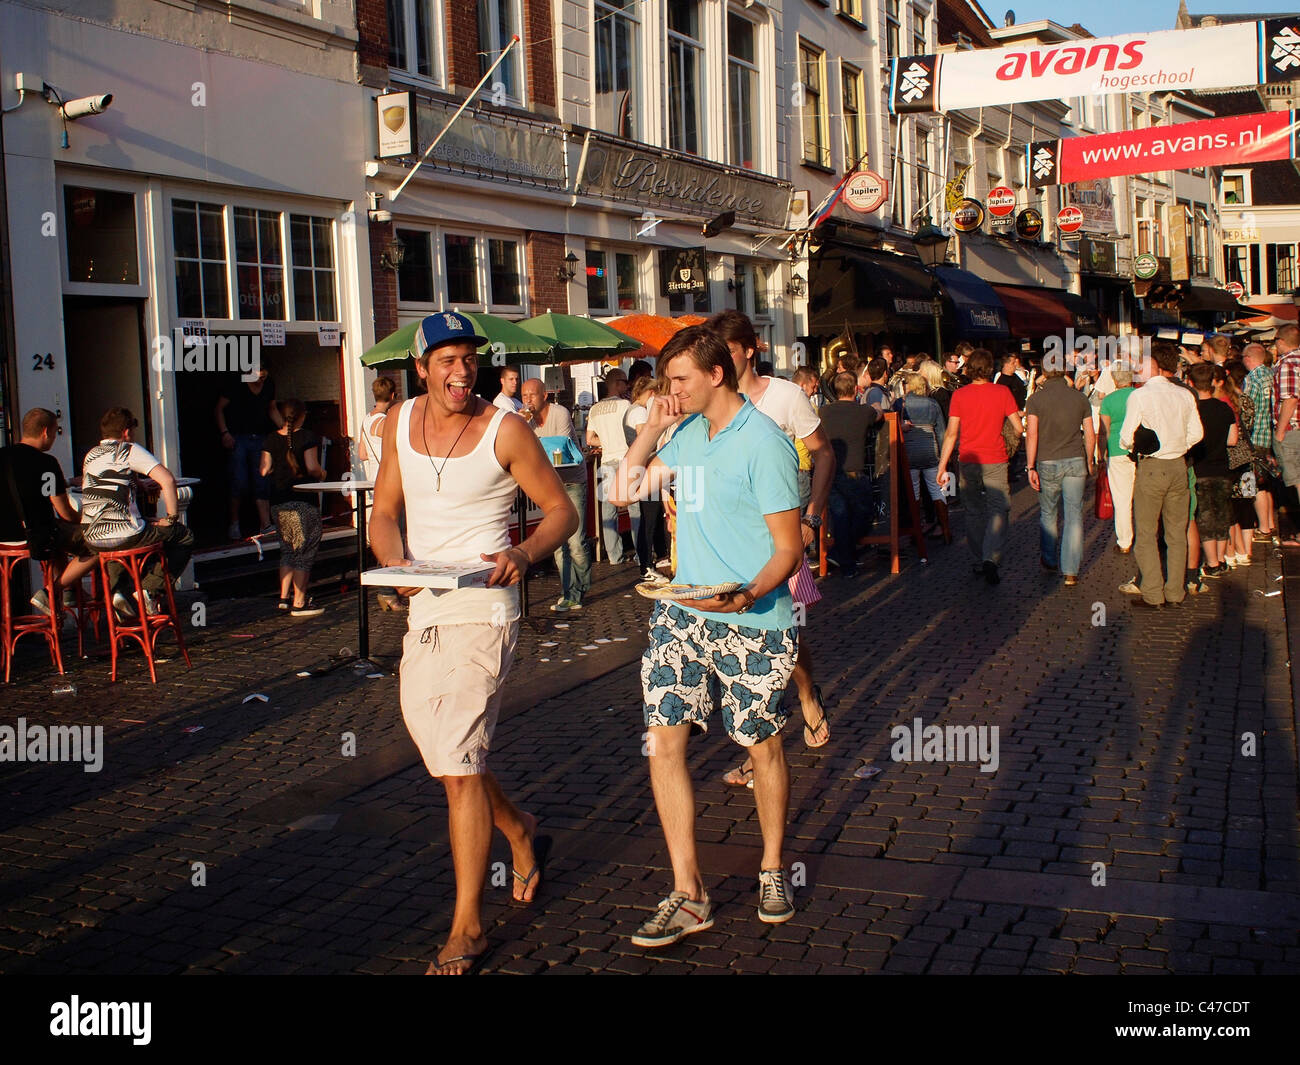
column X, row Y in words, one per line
column 86, row 105
column 380, row 216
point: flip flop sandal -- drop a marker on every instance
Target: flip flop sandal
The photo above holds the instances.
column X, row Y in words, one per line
column 740, row 777
column 541, row 850
column 473, row 969
column 813, row 730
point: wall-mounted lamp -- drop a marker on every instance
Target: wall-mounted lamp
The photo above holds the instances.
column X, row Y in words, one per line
column 569, row 270
column 796, row 287
column 392, row 256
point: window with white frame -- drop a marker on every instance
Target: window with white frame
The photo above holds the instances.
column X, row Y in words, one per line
column 855, row 130
column 616, row 42
column 1236, row 189
column 892, row 29
column 466, row 270
column 415, row 37
column 923, row 175
column 311, row 243
column 851, row 8
column 415, row 277
column 612, row 281
column 1148, row 228
column 685, row 77
column 812, row 78
column 1241, row 264
column 498, row 21
column 460, row 259
column 100, row 236
column 742, row 91
column 919, row 46
column 1280, row 269
column 505, row 282
column 751, row 283
column 259, row 264
column 199, row 252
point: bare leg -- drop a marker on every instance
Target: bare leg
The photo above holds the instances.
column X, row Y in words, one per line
column 286, row 583
column 263, row 513
column 299, row 587
column 519, row 829
column 75, row 570
column 675, row 801
column 814, row 716
column 470, row 821
column 771, row 796
column 1193, row 543
column 813, row 713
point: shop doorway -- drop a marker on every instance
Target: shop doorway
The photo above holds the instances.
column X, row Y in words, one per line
column 105, row 343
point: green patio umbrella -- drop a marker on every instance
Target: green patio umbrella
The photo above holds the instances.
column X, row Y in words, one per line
column 576, row 339
column 518, row 345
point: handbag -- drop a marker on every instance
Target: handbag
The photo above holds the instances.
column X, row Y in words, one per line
column 1105, row 502
column 1010, row 438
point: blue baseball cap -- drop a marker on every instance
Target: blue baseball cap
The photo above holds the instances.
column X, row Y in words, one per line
column 445, row 327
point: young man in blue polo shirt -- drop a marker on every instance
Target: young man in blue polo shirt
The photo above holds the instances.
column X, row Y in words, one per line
column 737, row 521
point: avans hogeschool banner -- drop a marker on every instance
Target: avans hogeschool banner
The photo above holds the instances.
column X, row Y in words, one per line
column 1215, row 57
column 1237, row 139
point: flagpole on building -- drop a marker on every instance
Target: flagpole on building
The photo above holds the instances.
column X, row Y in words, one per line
column 443, row 132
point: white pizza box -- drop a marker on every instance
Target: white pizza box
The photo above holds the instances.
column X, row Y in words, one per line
column 443, row 575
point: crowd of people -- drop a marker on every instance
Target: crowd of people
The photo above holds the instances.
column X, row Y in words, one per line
column 727, row 473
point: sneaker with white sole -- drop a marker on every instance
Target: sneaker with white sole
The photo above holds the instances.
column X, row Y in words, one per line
column 309, row 609
column 774, row 905
column 674, row 917
column 1130, row 587
column 561, row 606
column 124, row 606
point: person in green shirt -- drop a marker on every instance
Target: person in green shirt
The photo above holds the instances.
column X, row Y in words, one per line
column 1119, row 467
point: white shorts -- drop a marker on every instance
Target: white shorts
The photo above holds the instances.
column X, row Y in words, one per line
column 451, row 681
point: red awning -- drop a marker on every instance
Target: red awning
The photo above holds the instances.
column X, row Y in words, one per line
column 1034, row 312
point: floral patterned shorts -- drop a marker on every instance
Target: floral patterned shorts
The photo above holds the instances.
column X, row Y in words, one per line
column 689, row 653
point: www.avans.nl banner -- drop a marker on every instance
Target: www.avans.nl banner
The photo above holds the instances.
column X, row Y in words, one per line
column 1215, row 57
column 1236, row 139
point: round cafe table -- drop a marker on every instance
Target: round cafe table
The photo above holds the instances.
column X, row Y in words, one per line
column 356, row 489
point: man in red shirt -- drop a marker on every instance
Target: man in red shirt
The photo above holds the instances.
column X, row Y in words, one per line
column 976, row 416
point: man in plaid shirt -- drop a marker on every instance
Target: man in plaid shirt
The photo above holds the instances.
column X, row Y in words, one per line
column 1286, row 392
column 1258, row 388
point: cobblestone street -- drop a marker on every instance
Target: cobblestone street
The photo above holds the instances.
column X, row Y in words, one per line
column 1121, row 752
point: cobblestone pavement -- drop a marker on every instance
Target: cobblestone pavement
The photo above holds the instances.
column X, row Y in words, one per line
column 1121, row 754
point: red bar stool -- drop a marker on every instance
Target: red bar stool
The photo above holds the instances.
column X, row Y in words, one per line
column 146, row 628
column 88, row 610
column 14, row 626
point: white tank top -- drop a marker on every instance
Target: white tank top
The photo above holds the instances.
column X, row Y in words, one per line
column 468, row 516
column 374, row 444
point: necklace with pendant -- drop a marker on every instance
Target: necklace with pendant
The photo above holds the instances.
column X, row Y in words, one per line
column 437, row 487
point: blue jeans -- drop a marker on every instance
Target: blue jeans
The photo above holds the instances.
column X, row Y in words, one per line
column 609, row 518
column 243, row 463
column 1061, row 483
column 572, row 560
column 851, row 517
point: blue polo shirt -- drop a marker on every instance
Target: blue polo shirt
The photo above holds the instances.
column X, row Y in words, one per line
column 724, row 488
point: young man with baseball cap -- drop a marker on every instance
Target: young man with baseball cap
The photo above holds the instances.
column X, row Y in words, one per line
column 453, row 463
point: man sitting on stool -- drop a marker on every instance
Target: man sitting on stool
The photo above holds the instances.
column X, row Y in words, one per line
column 111, row 520
column 38, row 510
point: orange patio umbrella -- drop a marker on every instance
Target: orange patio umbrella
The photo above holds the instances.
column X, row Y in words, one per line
column 653, row 330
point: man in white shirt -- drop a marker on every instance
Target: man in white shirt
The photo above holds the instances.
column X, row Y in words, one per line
column 605, row 431
column 508, row 397
column 110, row 519
column 1161, row 487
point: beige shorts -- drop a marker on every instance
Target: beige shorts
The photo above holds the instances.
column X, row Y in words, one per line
column 451, row 680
